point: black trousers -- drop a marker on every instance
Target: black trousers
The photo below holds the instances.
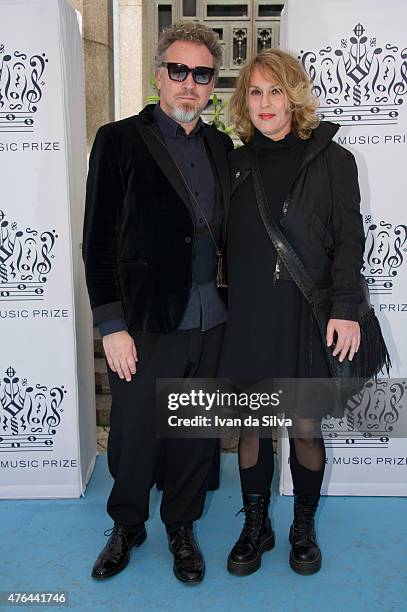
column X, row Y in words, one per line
column 134, row 451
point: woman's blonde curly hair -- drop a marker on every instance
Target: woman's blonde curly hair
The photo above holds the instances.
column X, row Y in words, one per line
column 296, row 86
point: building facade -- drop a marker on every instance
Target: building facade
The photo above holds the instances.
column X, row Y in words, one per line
column 120, row 38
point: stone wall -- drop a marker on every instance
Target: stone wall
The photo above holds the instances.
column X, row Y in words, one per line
column 131, row 45
column 97, row 34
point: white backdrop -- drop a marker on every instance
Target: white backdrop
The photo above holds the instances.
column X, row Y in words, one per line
column 355, row 51
column 47, row 406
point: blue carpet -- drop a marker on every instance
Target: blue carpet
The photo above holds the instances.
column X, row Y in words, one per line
column 52, row 544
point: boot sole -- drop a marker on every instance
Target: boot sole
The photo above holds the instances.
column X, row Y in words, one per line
column 244, row 569
column 305, row 568
column 138, row 542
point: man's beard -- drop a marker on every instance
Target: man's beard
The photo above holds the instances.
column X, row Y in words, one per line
column 185, row 113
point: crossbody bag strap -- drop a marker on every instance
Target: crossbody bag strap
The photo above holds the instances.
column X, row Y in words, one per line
column 288, row 256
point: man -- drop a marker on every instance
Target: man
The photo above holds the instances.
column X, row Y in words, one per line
column 156, row 181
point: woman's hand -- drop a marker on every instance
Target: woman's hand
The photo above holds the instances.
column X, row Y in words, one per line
column 348, row 337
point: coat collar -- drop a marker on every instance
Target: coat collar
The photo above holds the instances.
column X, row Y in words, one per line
column 241, row 158
column 154, row 140
column 320, row 139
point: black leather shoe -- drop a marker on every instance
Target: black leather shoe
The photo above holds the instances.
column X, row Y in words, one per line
column 189, row 566
column 305, row 555
column 256, row 537
column 116, row 554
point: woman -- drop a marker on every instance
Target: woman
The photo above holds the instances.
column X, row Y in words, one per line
column 271, row 331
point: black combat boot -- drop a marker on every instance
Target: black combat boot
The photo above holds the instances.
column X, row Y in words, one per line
column 256, row 537
column 305, row 556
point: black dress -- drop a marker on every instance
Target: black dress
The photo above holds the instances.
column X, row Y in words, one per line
column 270, row 330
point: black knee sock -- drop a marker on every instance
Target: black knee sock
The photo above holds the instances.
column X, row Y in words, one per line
column 306, row 481
column 257, row 479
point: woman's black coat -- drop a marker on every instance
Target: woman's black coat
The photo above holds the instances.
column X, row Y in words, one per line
column 138, row 229
column 323, row 222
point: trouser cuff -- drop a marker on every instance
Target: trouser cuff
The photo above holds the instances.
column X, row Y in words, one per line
column 171, row 527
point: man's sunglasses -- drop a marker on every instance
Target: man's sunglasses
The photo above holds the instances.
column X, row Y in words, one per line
column 179, row 72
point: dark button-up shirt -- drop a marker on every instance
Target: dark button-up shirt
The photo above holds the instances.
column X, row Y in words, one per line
column 189, row 153
column 204, row 308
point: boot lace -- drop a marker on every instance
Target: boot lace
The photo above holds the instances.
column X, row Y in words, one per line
column 304, row 523
column 252, row 521
column 118, row 535
column 183, row 543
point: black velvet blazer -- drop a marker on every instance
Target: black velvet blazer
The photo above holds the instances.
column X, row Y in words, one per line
column 138, row 229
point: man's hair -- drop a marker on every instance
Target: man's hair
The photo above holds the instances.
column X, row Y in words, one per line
column 296, row 86
column 193, row 32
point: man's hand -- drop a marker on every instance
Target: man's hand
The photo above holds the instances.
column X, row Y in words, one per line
column 348, row 339
column 121, row 353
